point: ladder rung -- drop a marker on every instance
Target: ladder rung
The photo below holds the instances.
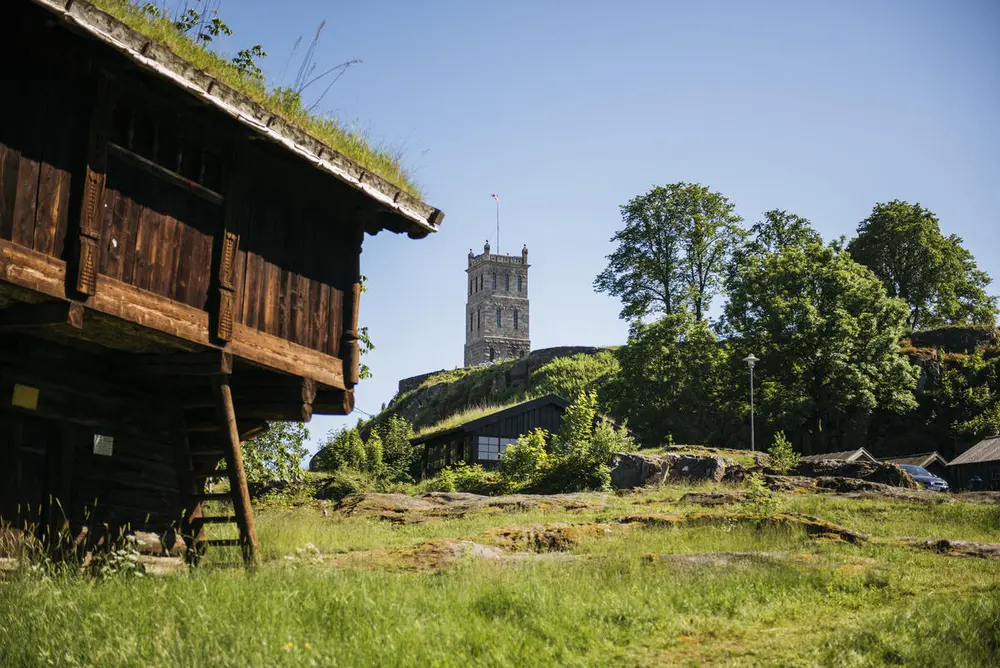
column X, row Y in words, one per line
column 214, row 496
column 218, row 519
column 222, row 542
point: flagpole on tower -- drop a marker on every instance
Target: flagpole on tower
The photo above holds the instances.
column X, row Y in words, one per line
column 497, row 198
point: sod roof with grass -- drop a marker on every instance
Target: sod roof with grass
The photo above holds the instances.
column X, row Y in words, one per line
column 154, row 44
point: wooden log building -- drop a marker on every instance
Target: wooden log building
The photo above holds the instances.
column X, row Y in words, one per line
column 178, row 266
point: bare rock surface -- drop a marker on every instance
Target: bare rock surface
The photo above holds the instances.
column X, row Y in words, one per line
column 879, row 472
column 713, row 499
column 632, row 469
column 958, row 548
column 717, row 559
column 403, row 508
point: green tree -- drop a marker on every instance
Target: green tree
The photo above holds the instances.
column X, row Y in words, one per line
column 343, row 449
column 967, row 397
column 397, row 451
column 827, row 335
column 674, row 382
column 672, row 252
column 374, row 465
column 934, row 274
column 277, row 453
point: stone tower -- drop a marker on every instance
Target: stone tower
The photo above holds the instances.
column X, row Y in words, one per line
column 496, row 313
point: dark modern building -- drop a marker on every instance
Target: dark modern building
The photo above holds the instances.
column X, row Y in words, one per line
column 980, row 461
column 484, row 439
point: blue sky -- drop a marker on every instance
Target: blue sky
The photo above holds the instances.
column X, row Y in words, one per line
column 568, row 109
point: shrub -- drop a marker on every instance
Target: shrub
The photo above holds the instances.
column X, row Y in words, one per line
column 373, row 456
column 398, row 453
column 783, row 456
column 344, row 483
column 760, row 500
column 524, row 462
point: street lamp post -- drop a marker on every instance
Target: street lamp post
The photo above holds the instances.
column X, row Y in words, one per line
column 751, row 361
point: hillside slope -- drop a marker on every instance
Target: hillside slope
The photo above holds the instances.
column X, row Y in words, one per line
column 563, row 371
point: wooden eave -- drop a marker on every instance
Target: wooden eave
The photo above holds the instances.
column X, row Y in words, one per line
column 415, row 217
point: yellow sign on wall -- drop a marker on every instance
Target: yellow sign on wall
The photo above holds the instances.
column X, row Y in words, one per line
column 25, row 397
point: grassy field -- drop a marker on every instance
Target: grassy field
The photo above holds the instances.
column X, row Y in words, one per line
column 337, row 590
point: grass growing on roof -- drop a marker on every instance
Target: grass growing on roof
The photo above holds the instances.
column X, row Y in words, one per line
column 350, row 143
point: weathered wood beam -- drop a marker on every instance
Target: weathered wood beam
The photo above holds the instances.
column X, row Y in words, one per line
column 333, row 402
column 161, row 172
column 349, row 348
column 47, row 275
column 277, row 411
column 208, row 363
column 44, row 314
column 237, row 475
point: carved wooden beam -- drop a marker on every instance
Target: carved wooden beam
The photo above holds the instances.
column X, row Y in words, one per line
column 95, row 178
column 211, row 363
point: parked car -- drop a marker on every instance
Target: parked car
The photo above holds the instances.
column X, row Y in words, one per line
column 925, row 478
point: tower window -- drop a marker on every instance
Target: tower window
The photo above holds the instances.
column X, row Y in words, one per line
column 519, row 282
column 494, row 280
column 498, row 317
column 515, row 318
column 470, row 286
column 506, row 282
column 470, row 321
column 479, row 319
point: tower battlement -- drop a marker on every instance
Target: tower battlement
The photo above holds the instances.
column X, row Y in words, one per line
column 496, row 312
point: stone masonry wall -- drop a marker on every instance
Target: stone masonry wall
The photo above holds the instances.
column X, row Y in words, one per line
column 496, row 283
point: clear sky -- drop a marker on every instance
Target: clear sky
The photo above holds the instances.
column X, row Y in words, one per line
column 568, row 109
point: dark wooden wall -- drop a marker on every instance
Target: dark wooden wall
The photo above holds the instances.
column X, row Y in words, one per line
column 298, row 252
column 42, row 137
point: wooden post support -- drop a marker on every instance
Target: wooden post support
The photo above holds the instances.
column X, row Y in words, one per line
column 350, row 351
column 237, row 476
column 95, row 178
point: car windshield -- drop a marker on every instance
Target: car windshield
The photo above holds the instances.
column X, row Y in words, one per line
column 915, row 470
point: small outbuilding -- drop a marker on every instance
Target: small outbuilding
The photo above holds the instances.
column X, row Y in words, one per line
column 980, row 461
column 484, row 439
column 859, row 455
column 932, row 462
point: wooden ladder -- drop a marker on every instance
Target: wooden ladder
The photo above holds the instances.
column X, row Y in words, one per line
column 200, row 446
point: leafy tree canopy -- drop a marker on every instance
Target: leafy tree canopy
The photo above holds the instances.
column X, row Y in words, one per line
column 277, row 453
column 674, row 382
column 934, row 274
column 672, row 252
column 826, row 332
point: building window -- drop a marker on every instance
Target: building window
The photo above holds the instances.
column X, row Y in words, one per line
column 470, row 321
column 479, row 319
column 491, row 448
column 470, row 286
column 494, row 280
column 519, row 282
column 493, row 354
column 515, row 318
column 499, row 324
column 506, row 282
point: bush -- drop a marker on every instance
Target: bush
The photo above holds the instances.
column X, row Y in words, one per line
column 398, row 454
column 344, row 483
column 760, row 500
column 525, row 462
column 783, row 456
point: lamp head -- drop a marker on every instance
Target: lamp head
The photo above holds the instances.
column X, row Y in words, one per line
column 750, row 360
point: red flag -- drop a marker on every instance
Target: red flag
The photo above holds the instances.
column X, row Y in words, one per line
column 495, row 196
